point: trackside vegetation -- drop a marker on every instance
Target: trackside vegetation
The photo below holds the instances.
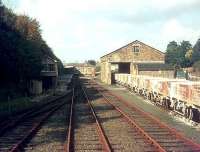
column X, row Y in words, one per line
column 22, row 49
column 184, row 54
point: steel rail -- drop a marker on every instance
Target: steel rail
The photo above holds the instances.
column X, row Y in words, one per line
column 10, row 123
column 104, row 140
column 17, row 147
column 162, row 125
column 134, row 124
column 68, row 145
column 172, row 130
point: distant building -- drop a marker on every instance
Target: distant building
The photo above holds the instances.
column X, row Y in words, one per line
column 83, row 68
column 134, row 58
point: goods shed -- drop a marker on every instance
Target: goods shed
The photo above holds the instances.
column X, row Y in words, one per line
column 134, row 59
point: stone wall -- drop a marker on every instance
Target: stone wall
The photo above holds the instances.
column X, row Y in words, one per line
column 106, row 72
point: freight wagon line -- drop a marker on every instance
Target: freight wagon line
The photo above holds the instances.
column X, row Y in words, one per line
column 168, row 138
column 177, row 95
column 73, row 143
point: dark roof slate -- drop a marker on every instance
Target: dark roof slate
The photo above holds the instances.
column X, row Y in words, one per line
column 154, row 67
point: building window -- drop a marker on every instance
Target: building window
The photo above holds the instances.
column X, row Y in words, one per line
column 136, row 49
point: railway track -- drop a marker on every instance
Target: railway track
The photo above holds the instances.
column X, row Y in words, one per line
column 120, row 133
column 84, row 132
column 162, row 137
column 16, row 135
column 11, row 122
column 101, row 121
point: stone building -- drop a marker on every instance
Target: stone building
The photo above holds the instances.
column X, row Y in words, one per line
column 83, row 68
column 133, row 58
column 86, row 70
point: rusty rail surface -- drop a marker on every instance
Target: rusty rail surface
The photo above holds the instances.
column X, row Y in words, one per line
column 187, row 142
column 8, row 124
column 67, row 146
column 17, row 134
column 104, row 141
column 134, row 124
column 19, row 146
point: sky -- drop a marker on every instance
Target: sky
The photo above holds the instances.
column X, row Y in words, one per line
column 80, row 30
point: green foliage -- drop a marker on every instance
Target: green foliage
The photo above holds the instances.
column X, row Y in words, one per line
column 196, row 52
column 19, row 58
column 171, row 53
column 91, row 62
column 176, row 54
column 22, row 50
column 189, row 54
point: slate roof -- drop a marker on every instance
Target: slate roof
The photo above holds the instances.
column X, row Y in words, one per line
column 154, row 67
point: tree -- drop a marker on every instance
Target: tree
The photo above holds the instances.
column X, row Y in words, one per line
column 196, row 52
column 172, row 53
column 189, row 54
column 91, row 62
column 22, row 49
column 28, row 27
column 176, row 53
column 184, row 47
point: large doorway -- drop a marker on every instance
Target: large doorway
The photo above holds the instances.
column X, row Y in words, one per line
column 124, row 68
column 120, row 67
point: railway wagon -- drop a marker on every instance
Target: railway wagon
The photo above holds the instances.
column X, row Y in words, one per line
column 122, row 79
column 179, row 95
column 185, row 98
